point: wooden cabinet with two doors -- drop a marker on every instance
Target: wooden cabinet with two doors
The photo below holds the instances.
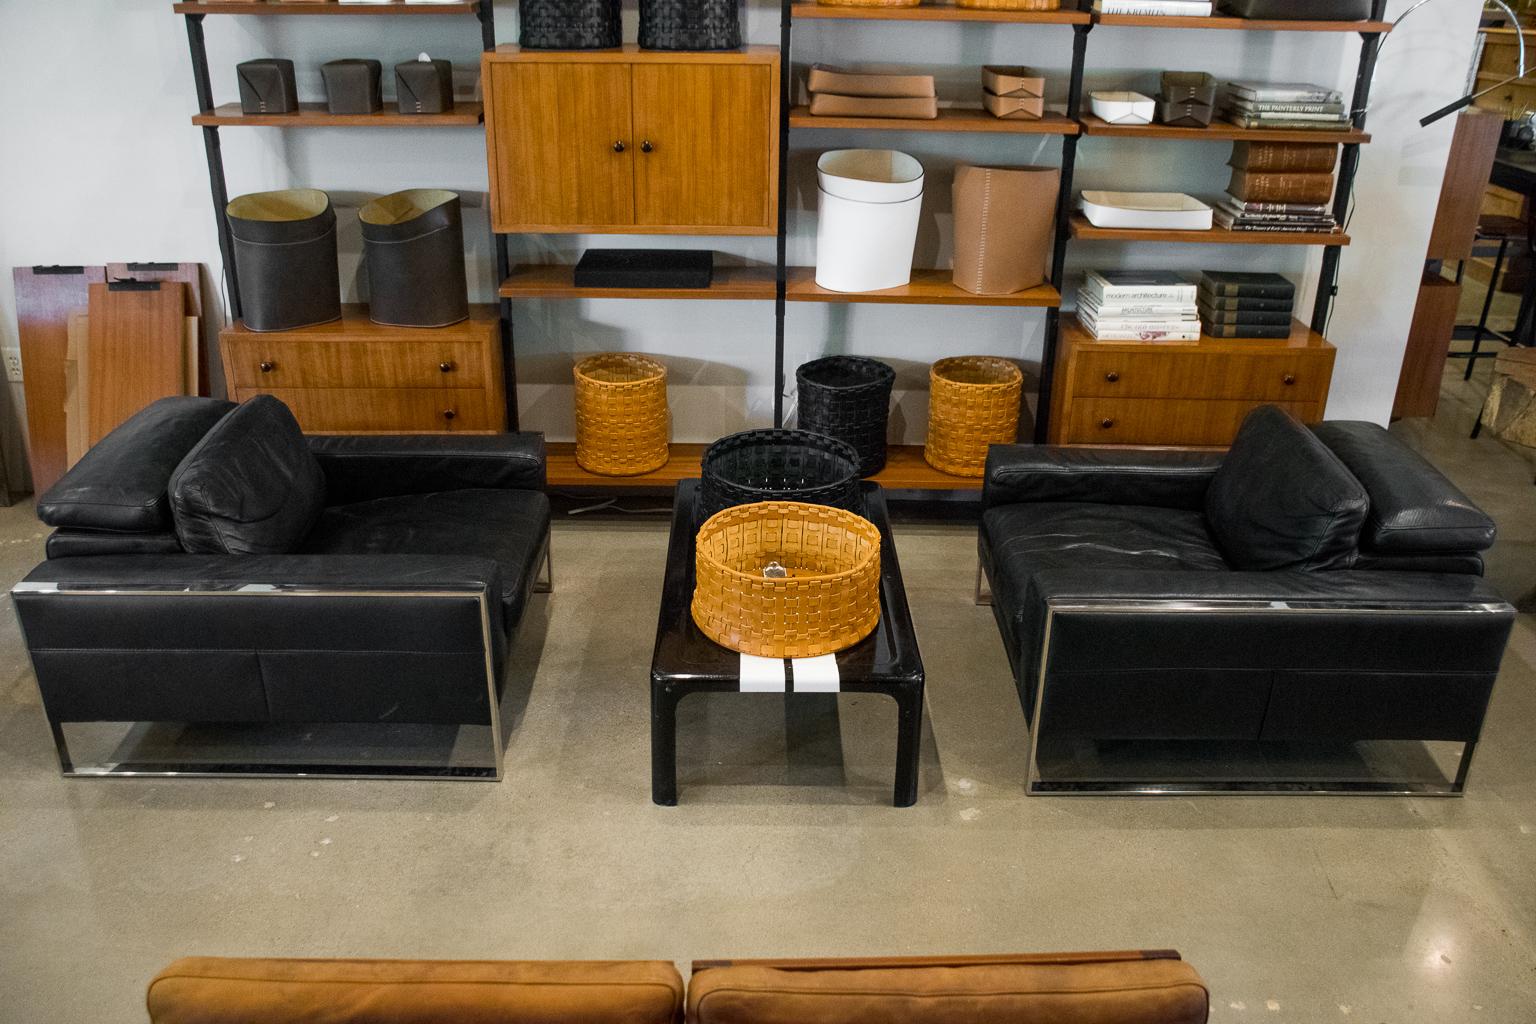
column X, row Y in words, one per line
column 631, row 141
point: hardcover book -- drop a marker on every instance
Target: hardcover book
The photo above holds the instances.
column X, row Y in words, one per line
column 1267, row 187
column 1213, row 317
column 1246, row 285
column 1165, row 285
column 1209, row 300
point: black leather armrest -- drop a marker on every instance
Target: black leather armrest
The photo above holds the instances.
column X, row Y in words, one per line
column 359, row 468
column 226, row 573
column 1031, row 473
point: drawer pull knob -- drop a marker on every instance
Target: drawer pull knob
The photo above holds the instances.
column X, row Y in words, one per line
column 1106, row 423
column 267, row 366
column 1112, row 377
column 446, row 366
column 449, row 414
column 646, row 147
column 618, row 147
column 1288, row 379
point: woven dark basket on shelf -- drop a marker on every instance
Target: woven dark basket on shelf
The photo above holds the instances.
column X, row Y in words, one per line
column 779, row 465
column 849, row 398
column 690, row 24
column 569, row 24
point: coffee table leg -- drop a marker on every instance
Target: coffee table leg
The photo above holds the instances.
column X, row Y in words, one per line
column 664, row 744
column 909, row 741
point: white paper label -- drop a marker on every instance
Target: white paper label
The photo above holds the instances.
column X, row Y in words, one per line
column 816, row 675
column 762, row 675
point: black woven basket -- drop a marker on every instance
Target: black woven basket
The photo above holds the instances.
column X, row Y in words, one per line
column 690, row 24
column 849, row 398
column 779, row 465
column 569, row 24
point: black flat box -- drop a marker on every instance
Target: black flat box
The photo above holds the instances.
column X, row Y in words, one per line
column 645, row 268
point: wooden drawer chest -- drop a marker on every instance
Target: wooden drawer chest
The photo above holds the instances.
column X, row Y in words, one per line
column 354, row 376
column 1193, row 394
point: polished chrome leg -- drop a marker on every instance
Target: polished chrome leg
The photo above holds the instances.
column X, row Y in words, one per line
column 545, row 582
column 983, row 594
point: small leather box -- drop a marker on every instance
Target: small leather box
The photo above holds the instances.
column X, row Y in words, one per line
column 645, row 268
column 353, row 86
column 424, row 86
column 1189, row 87
column 267, row 87
column 1184, row 115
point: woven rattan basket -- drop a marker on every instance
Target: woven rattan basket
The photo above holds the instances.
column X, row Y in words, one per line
column 1010, row 5
column 621, row 414
column 849, row 398
column 973, row 402
column 829, row 601
column 778, row 465
column 869, row 3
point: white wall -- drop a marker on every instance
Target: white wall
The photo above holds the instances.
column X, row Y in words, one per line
column 98, row 162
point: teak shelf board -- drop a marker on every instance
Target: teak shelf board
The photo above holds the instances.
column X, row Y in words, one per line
column 937, row 12
column 314, row 115
column 927, row 288
column 905, row 470
column 554, row 281
column 1301, row 336
column 950, row 119
column 1085, row 231
column 1240, row 24
column 1219, row 131
column 394, row 7
column 354, row 325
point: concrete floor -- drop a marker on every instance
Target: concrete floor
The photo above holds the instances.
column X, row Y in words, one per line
column 1299, row 909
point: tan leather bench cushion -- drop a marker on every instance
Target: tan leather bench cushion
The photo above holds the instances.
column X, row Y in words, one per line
column 206, row 990
column 1120, row 991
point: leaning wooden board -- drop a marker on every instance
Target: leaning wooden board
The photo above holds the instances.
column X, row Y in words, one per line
column 136, row 349
column 191, row 275
column 45, row 298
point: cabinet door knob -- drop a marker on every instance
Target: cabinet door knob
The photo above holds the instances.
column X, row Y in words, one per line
column 1288, row 379
column 447, row 366
column 618, row 147
column 646, row 147
column 449, row 414
column 1112, row 377
column 1106, row 423
column 267, row 367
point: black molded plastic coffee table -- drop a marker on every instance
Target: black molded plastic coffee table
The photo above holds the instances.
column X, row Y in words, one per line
column 686, row 661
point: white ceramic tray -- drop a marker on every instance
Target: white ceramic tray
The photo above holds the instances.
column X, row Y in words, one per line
column 1167, row 211
column 1123, row 107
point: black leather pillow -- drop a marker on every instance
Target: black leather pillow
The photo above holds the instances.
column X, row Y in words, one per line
column 121, row 483
column 252, row 487
column 1282, row 500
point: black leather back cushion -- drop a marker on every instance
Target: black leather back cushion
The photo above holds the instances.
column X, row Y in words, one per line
column 252, row 487
column 1282, row 500
column 121, row 483
column 1414, row 508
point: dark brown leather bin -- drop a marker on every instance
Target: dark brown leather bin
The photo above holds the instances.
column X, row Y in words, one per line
column 353, row 86
column 267, row 86
column 424, row 86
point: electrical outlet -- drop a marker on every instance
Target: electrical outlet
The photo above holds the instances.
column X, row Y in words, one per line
column 12, row 364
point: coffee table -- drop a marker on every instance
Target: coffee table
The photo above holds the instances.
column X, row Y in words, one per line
column 686, row 661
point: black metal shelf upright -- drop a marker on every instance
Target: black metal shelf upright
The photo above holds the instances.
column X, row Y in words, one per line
column 484, row 11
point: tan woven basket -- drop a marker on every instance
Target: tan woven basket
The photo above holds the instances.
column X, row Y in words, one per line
column 829, row 601
column 1010, row 5
column 622, row 422
column 973, row 402
column 869, row 3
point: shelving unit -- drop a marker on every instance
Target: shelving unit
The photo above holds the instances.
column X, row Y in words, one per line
column 927, row 288
column 211, row 119
column 557, row 281
column 950, row 119
column 1214, row 236
column 1217, row 131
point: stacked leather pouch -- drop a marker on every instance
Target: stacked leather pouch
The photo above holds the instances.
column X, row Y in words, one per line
column 1003, row 220
column 413, row 244
column 285, row 259
column 690, row 25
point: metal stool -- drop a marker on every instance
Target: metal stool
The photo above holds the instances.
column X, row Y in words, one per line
column 1490, row 228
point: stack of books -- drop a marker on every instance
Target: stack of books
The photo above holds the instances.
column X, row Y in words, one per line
column 1295, row 106
column 1236, row 305
column 837, row 93
column 1170, row 8
column 1279, row 186
column 1138, row 305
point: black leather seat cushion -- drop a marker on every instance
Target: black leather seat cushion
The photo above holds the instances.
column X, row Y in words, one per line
column 250, row 487
column 1025, row 539
column 1283, row 500
column 1414, row 508
column 508, row 526
column 121, row 483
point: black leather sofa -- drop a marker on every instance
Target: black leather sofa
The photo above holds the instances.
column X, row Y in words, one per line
column 1309, row 585
column 212, row 565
